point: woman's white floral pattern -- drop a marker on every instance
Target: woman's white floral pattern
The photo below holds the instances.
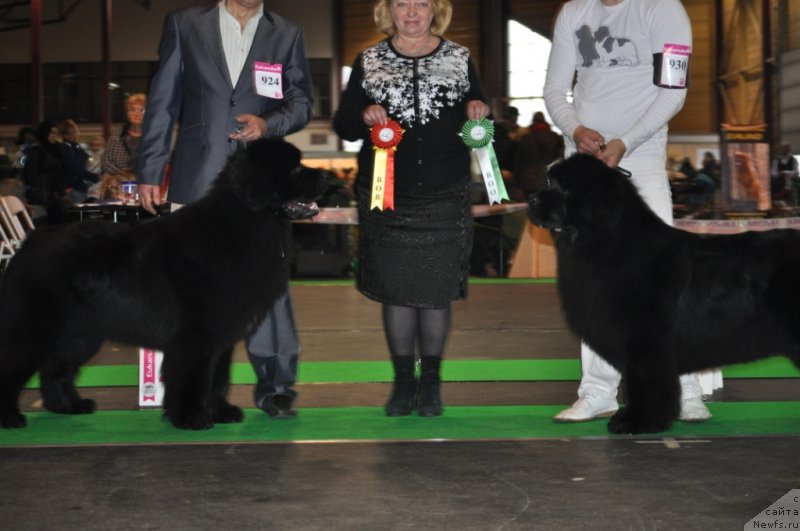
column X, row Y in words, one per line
column 414, row 89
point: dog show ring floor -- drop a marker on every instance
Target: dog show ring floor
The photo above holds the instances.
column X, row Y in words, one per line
column 495, row 459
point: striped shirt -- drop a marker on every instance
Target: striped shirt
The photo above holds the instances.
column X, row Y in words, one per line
column 236, row 42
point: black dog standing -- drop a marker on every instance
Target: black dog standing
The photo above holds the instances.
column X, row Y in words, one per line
column 71, row 288
column 656, row 302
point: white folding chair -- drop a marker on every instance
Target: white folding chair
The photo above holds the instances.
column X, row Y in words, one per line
column 6, row 248
column 16, row 217
column 8, row 228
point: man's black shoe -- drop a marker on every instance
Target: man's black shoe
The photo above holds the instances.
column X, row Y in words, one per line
column 280, row 407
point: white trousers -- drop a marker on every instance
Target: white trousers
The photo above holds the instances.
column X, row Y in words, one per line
column 650, row 178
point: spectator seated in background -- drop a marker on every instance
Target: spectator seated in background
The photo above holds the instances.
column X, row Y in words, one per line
column 97, row 147
column 711, row 167
column 687, row 168
column 122, row 149
column 784, row 175
column 76, row 179
column 121, row 152
column 37, row 165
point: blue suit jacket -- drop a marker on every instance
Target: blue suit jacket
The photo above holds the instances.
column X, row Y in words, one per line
column 193, row 85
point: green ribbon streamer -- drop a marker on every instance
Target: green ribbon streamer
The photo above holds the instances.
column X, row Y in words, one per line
column 478, row 135
column 501, row 186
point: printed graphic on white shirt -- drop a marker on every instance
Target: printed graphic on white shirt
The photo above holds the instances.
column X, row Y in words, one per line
column 600, row 49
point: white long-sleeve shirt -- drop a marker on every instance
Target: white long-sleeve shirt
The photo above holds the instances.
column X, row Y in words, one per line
column 611, row 48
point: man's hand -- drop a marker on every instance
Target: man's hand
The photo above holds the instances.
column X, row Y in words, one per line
column 588, row 141
column 251, row 127
column 150, row 197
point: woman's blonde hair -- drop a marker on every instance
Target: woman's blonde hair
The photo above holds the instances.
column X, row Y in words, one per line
column 442, row 14
column 135, row 99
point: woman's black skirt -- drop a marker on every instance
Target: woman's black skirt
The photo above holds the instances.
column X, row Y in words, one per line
column 419, row 253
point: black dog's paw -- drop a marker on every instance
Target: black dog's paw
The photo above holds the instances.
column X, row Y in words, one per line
column 198, row 420
column 626, row 422
column 228, row 414
column 81, row 406
column 85, row 406
column 13, row 419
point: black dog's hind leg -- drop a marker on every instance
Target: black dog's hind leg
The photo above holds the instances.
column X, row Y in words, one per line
column 187, row 372
column 652, row 395
column 221, row 410
column 58, row 378
column 17, row 366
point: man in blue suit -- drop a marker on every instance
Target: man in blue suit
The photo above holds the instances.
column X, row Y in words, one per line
column 233, row 72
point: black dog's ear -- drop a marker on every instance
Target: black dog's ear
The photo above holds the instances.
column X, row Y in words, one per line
column 261, row 173
column 603, row 213
column 602, row 207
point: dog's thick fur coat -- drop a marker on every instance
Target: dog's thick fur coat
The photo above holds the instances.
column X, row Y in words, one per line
column 657, row 302
column 191, row 284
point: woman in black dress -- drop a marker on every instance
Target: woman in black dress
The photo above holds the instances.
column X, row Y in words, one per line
column 414, row 254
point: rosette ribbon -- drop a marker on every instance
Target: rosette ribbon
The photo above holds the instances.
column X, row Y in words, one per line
column 384, row 141
column 478, row 135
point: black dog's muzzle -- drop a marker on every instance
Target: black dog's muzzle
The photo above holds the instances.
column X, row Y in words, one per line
column 298, row 209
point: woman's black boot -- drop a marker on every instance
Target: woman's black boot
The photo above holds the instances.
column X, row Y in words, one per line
column 429, row 400
column 404, row 391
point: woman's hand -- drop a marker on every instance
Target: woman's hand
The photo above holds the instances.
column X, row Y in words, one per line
column 613, row 153
column 588, row 141
column 375, row 114
column 476, row 109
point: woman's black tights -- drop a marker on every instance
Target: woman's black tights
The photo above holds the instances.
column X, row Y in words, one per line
column 407, row 327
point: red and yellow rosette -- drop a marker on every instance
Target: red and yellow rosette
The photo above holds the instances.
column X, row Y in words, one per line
column 385, row 138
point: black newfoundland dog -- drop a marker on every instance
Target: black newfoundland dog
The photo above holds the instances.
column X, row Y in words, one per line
column 191, row 284
column 657, row 302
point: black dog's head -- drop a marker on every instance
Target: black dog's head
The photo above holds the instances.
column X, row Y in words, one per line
column 267, row 174
column 582, row 193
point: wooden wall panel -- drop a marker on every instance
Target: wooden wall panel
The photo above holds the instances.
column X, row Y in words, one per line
column 741, row 73
column 788, row 104
column 793, row 7
column 699, row 112
column 358, row 30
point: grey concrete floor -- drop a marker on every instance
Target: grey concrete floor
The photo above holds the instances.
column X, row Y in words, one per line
column 621, row 483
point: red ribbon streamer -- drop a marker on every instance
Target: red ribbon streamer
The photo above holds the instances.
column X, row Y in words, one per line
column 386, row 137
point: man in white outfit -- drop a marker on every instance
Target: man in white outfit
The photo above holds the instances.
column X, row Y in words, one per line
column 622, row 102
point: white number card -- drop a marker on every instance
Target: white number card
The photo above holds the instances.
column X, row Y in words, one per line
column 675, row 65
column 269, row 80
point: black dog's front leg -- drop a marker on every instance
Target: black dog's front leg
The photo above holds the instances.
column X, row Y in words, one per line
column 187, row 385
column 221, row 410
column 58, row 391
column 652, row 395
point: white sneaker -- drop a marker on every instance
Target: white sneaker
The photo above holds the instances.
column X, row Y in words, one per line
column 588, row 407
column 694, row 410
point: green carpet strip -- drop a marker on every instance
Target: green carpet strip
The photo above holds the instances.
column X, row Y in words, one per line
column 454, row 371
column 472, row 281
column 370, row 423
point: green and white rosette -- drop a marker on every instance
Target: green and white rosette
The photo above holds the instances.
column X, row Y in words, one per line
column 478, row 136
